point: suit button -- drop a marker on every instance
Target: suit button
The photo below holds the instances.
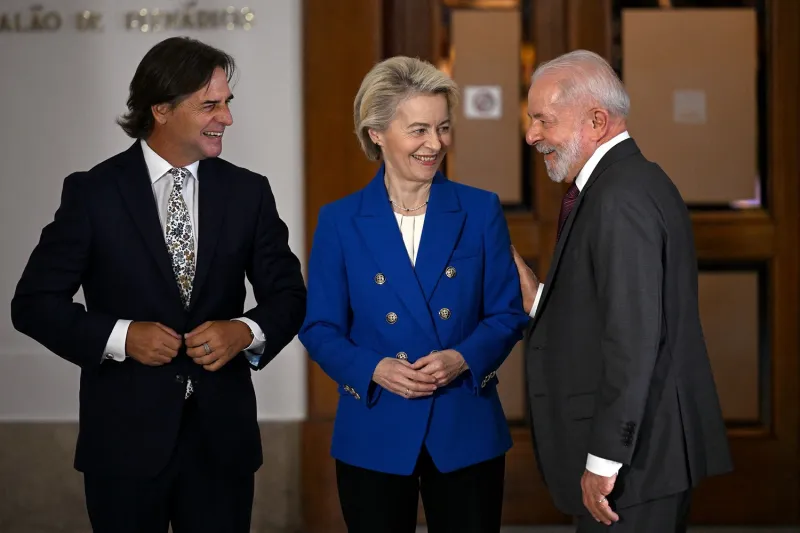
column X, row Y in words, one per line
column 450, row 272
column 380, row 279
column 391, row 318
column 179, row 378
column 402, row 355
column 444, row 313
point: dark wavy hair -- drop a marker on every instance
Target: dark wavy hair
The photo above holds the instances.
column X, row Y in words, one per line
column 169, row 72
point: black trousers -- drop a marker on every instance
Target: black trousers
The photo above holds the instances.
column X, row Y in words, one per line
column 664, row 515
column 190, row 494
column 469, row 500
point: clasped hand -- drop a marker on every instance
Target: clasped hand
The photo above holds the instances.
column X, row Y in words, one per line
column 154, row 344
column 421, row 378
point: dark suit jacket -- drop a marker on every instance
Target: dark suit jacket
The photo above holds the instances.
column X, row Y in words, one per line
column 106, row 237
column 616, row 360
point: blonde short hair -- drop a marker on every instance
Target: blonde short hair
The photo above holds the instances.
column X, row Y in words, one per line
column 386, row 85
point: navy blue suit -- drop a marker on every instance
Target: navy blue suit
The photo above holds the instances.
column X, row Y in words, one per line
column 476, row 310
column 134, row 421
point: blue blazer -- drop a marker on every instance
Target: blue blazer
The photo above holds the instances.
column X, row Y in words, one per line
column 366, row 301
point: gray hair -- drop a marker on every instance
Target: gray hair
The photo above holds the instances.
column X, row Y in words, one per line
column 386, row 85
column 586, row 75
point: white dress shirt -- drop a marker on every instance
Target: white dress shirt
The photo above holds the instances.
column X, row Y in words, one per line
column 163, row 183
column 594, row 464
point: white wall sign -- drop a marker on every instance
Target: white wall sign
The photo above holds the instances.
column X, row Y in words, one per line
column 187, row 17
column 689, row 107
column 483, row 102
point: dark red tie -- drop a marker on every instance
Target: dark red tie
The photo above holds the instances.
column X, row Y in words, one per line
column 566, row 206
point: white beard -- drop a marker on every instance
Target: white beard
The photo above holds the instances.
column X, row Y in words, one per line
column 566, row 157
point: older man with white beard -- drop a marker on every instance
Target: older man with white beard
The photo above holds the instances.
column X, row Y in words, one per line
column 625, row 415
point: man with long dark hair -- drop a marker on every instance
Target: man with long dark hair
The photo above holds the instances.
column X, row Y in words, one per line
column 160, row 238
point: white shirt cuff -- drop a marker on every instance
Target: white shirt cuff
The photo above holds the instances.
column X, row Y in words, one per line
column 259, row 340
column 115, row 347
column 536, row 299
column 602, row 467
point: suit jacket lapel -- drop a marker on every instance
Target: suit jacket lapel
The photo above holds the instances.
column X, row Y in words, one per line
column 444, row 221
column 213, row 198
column 137, row 195
column 548, row 284
column 624, row 149
column 377, row 225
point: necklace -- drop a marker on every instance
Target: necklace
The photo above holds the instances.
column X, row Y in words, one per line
column 408, row 209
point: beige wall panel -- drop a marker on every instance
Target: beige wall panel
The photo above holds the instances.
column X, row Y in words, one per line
column 691, row 75
column 729, row 313
column 487, row 141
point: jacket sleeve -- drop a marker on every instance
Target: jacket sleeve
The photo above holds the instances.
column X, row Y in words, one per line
column 504, row 318
column 325, row 332
column 627, row 262
column 277, row 280
column 43, row 306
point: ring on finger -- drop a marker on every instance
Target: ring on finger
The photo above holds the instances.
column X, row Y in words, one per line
column 408, row 392
column 207, row 348
column 602, row 500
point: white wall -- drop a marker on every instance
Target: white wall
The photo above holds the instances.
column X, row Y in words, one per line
column 61, row 93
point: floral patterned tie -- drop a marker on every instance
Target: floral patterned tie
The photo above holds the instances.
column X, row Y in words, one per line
column 180, row 238
column 180, row 243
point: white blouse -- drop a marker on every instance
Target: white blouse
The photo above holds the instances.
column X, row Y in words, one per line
column 411, row 228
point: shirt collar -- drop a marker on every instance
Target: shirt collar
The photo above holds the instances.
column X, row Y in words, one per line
column 588, row 168
column 157, row 166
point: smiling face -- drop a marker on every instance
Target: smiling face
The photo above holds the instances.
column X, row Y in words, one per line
column 193, row 129
column 561, row 132
column 415, row 143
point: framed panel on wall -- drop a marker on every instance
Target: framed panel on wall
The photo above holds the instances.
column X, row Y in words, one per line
column 696, row 71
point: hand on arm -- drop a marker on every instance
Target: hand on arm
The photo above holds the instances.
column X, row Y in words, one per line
column 528, row 282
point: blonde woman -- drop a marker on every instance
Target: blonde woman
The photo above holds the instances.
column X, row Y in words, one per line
column 413, row 305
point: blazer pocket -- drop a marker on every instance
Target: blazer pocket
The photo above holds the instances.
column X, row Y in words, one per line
column 581, row 406
column 467, row 251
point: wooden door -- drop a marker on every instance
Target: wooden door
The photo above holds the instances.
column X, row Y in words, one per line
column 751, row 253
